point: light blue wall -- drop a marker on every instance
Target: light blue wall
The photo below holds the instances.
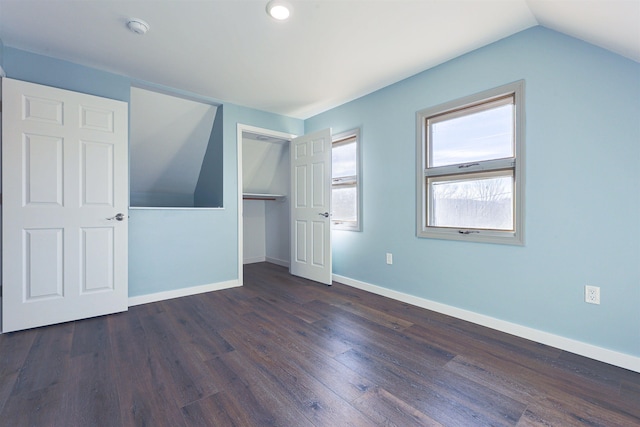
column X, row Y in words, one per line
column 582, row 192
column 168, row 249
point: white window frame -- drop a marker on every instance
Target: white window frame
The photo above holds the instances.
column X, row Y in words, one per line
column 426, row 174
column 342, row 138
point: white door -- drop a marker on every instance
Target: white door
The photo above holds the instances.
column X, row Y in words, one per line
column 311, row 206
column 65, row 201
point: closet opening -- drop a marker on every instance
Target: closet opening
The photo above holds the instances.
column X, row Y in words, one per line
column 264, row 202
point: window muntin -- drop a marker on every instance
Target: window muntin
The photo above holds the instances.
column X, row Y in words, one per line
column 470, row 168
column 345, row 191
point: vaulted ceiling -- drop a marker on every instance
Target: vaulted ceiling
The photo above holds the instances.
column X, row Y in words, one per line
column 327, row 53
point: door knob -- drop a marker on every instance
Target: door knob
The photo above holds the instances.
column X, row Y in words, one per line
column 325, row 214
column 117, row 217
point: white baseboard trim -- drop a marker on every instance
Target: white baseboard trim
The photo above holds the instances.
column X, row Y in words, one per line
column 622, row 360
column 176, row 293
column 277, row 261
column 254, row 260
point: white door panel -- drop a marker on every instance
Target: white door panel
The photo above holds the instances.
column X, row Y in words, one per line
column 64, row 173
column 43, row 264
column 97, row 174
column 311, row 193
column 98, row 260
column 43, row 170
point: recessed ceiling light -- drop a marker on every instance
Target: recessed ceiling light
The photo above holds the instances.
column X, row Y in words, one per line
column 279, row 10
column 138, row 26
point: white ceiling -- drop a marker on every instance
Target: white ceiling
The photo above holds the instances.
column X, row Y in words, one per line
column 329, row 52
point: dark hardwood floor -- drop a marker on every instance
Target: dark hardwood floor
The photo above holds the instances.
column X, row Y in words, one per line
column 283, row 351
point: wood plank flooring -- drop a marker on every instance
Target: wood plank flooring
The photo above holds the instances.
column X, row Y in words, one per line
column 283, row 351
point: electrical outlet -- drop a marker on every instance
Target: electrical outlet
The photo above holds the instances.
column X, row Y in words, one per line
column 592, row 294
column 389, row 258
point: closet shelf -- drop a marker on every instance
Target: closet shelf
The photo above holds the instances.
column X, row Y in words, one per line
column 263, row 196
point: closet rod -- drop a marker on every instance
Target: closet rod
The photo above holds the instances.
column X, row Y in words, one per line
column 258, row 196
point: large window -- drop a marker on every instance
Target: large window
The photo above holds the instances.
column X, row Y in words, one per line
column 345, row 183
column 470, row 168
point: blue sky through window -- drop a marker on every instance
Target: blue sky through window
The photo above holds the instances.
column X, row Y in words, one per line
column 484, row 135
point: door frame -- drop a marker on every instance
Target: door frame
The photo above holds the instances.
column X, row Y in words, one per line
column 240, row 128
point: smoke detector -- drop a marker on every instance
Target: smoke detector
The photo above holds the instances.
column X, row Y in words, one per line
column 138, row 26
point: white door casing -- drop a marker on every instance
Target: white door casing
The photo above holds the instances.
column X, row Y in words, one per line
column 64, row 180
column 311, row 206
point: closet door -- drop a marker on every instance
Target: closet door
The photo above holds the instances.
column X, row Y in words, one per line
column 65, row 201
column 311, row 206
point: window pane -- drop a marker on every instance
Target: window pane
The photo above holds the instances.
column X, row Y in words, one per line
column 344, row 203
column 343, row 160
column 479, row 203
column 484, row 135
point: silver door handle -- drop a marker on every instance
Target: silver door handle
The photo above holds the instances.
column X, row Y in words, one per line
column 325, row 214
column 118, row 217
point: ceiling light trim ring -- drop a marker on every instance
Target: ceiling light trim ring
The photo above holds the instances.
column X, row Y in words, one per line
column 279, row 10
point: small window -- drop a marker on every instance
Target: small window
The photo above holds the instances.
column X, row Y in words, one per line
column 470, row 163
column 345, row 182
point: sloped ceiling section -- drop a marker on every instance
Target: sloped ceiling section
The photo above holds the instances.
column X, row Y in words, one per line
column 168, row 140
column 327, row 53
column 265, row 164
column 610, row 24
